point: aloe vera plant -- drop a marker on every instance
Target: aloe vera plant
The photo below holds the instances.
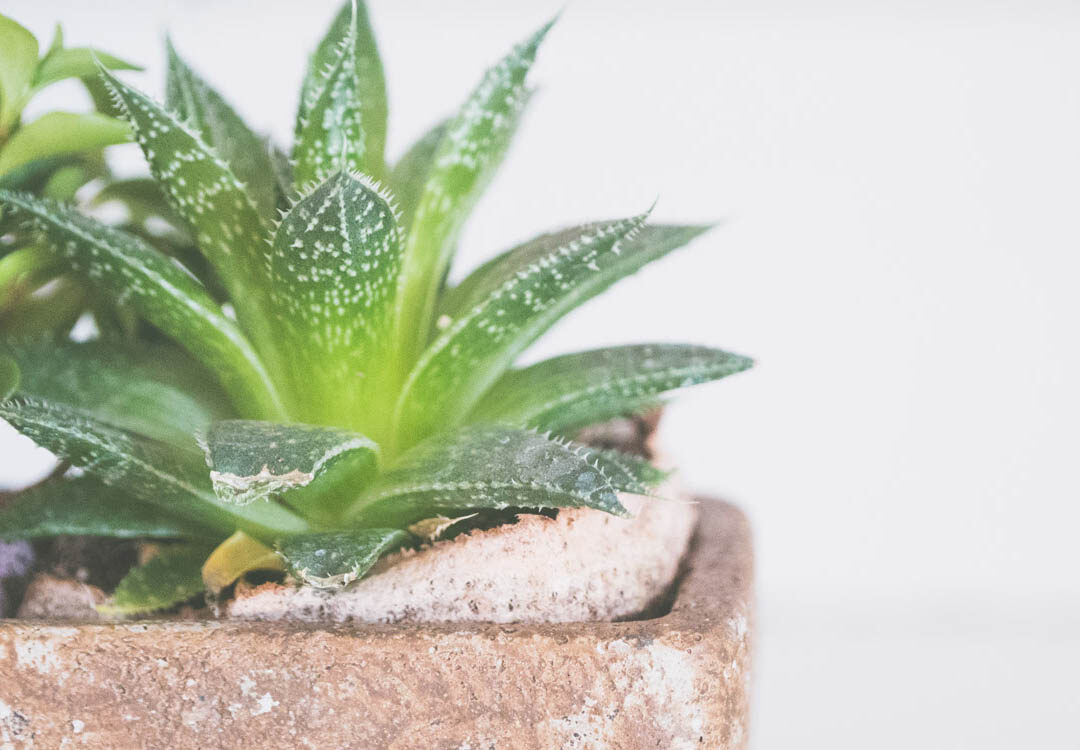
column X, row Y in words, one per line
column 315, row 395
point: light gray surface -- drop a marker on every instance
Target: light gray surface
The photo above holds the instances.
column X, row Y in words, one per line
column 900, row 183
column 893, row 674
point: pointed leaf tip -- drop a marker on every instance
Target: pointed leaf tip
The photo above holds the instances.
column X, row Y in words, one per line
column 171, row 578
column 208, row 112
column 485, row 467
column 473, row 146
column 339, row 243
column 574, row 390
column 332, row 560
column 512, row 301
column 204, row 190
column 344, row 82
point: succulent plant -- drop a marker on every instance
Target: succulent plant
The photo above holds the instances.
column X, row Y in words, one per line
column 317, row 395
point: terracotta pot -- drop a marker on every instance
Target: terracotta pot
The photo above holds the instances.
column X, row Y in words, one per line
column 678, row 679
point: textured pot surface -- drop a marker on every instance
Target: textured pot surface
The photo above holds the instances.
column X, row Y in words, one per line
column 679, row 680
column 581, row 566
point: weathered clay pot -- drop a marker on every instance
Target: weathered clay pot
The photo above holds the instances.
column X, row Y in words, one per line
column 677, row 678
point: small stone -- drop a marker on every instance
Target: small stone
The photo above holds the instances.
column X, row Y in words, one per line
column 52, row 598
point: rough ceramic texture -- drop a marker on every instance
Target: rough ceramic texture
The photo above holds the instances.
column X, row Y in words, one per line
column 581, row 566
column 676, row 681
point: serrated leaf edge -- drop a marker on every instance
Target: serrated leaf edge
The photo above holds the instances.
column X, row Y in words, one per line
column 632, row 226
column 111, row 85
column 70, row 428
column 687, row 372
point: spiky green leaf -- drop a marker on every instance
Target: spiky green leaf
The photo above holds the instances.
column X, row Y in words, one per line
column 485, row 467
column 651, row 243
column 83, row 505
column 467, row 156
column 227, row 224
column 101, row 96
column 256, row 460
column 367, row 87
column 59, row 133
column 222, row 129
column 171, row 477
column 575, row 390
column 332, row 560
column 330, row 138
column 163, row 292
column 75, row 62
column 18, row 61
column 538, row 283
column 627, row 473
column 334, row 268
column 172, row 577
column 139, row 389
column 410, row 174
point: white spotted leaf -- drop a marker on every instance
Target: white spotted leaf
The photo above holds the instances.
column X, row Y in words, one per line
column 160, row 290
column 246, row 154
column 228, row 227
column 172, row 478
column 569, row 392
column 532, row 288
column 334, row 559
column 485, row 467
column 625, row 472
column 334, row 266
column 361, row 95
column 331, row 136
column 464, row 162
column 321, row 468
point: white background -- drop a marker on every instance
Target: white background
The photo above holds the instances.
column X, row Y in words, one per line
column 900, row 184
